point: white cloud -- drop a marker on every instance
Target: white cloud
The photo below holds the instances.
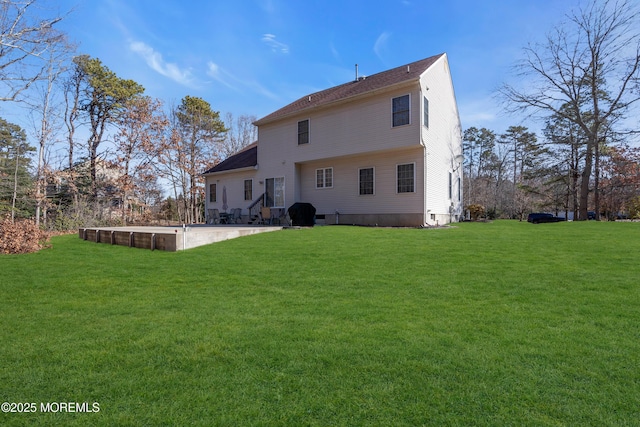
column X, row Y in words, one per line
column 155, row 62
column 381, row 44
column 233, row 82
column 334, row 51
column 218, row 74
column 276, row 46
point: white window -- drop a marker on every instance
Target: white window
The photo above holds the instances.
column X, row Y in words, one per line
column 303, row 132
column 366, row 181
column 324, row 178
column 401, row 110
column 406, row 178
column 212, row 193
column 248, row 189
column 425, row 112
column 274, row 192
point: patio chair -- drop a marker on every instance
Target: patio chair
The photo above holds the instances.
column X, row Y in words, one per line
column 282, row 219
column 237, row 215
column 214, row 216
column 265, row 215
column 276, row 216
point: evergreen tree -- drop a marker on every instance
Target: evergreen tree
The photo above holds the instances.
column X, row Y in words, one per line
column 15, row 180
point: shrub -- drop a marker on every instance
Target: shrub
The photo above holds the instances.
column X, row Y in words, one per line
column 475, row 211
column 492, row 213
column 634, row 208
column 21, row 237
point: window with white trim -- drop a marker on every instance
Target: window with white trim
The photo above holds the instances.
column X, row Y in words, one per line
column 213, row 194
column 401, row 110
column 450, row 185
column 274, row 192
column 425, row 112
column 324, row 178
column 406, row 178
column 366, row 181
column 303, row 132
column 248, row 189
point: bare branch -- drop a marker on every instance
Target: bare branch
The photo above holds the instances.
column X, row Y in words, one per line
column 587, row 72
column 24, row 38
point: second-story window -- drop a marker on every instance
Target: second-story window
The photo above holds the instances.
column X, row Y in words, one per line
column 401, row 110
column 303, row 132
column 425, row 112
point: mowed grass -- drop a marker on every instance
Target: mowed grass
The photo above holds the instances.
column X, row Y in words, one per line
column 484, row 324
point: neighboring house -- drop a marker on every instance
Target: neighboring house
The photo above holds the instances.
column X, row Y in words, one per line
column 109, row 177
column 380, row 150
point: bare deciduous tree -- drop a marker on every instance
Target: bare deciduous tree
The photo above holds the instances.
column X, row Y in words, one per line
column 141, row 127
column 72, row 87
column 24, row 38
column 587, row 72
column 241, row 132
column 45, row 109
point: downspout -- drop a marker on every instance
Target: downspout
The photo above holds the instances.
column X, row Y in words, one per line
column 424, row 163
column 425, row 210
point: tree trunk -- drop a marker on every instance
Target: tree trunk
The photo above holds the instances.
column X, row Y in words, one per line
column 574, row 180
column 596, row 184
column 39, row 181
column 15, row 185
column 585, row 178
column 92, row 168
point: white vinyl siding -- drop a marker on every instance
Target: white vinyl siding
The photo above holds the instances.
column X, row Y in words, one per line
column 346, row 197
column 442, row 139
column 361, row 127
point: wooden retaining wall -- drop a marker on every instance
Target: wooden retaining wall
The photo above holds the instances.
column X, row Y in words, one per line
column 132, row 239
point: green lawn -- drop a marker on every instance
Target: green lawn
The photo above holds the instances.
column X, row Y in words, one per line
column 494, row 324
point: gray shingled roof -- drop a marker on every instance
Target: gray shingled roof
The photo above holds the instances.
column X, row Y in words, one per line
column 246, row 158
column 381, row 80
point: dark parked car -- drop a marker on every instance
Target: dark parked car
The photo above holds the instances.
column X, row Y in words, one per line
column 538, row 217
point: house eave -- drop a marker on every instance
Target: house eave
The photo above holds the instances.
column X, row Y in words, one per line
column 341, row 101
column 228, row 171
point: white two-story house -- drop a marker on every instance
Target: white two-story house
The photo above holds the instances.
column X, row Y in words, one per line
column 384, row 150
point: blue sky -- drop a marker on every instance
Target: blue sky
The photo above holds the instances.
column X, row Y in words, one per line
column 255, row 56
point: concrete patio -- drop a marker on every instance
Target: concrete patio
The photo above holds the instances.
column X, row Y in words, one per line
column 170, row 238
